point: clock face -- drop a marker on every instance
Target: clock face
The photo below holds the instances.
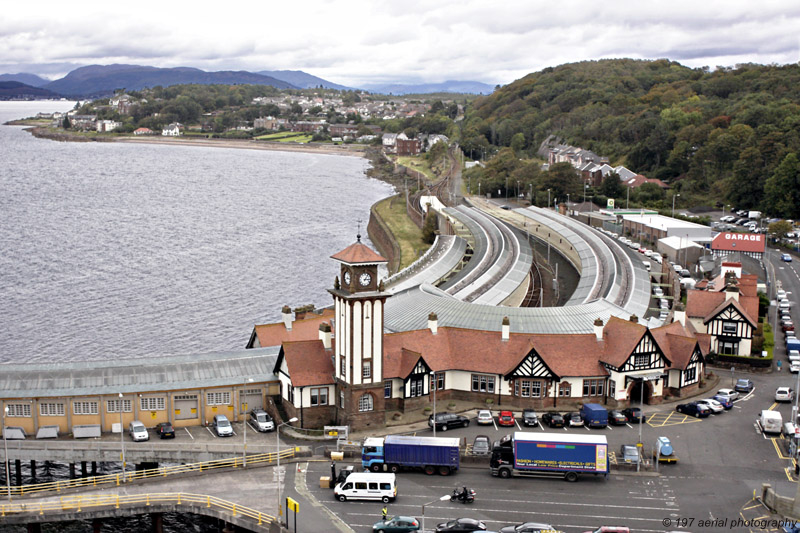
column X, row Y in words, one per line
column 364, row 279
column 346, row 278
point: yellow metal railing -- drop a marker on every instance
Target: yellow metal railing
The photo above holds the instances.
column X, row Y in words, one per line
column 118, row 479
column 89, row 502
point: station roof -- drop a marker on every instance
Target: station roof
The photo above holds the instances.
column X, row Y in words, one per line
column 94, row 378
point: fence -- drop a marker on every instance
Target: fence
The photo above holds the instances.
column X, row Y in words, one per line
column 117, row 479
column 77, row 504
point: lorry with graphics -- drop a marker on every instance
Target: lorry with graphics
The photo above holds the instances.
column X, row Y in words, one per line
column 550, row 454
column 394, row 453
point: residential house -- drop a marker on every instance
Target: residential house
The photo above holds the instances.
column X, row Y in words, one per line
column 173, row 130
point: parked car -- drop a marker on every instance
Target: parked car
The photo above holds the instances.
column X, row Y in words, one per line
column 784, row 394
column 693, row 409
column 553, row 420
column 743, row 385
column 527, row 527
column 482, row 445
column 138, row 431
column 658, row 292
column 222, row 426
column 635, row 415
column 506, row 418
column 610, row 529
column 781, row 294
column 573, row 419
column 713, row 405
column 260, row 420
column 165, row 430
column 786, row 258
column 461, row 525
column 484, row 417
column 397, row 524
column 724, row 401
column 445, row 421
column 794, row 367
column 787, row 326
column 728, row 393
column 616, row 418
column 529, row 418
column 628, row 454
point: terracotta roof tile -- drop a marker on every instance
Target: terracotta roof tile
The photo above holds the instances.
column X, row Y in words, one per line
column 676, row 342
column 308, row 363
column 358, row 253
column 620, row 338
column 739, row 242
column 703, row 304
column 305, row 329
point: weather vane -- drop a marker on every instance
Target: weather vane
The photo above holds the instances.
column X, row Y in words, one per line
column 358, row 234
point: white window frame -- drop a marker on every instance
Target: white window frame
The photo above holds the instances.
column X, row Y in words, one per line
column 21, row 410
column 51, row 409
column 365, row 403
column 112, row 406
column 84, row 407
column 387, row 388
column 366, row 370
column 153, row 403
column 218, row 398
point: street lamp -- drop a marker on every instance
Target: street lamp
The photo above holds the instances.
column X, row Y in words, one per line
column 673, row 204
column 278, row 434
column 244, row 420
column 5, row 447
column 641, row 403
column 441, row 499
column 433, row 386
column 628, row 198
column 732, row 368
column 548, row 198
column 122, row 437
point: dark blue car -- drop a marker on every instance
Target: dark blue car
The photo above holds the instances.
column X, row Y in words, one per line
column 724, row 401
column 694, row 409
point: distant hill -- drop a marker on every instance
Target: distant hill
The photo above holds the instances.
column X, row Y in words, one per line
column 450, row 86
column 301, row 79
column 103, row 80
column 14, row 90
column 28, row 79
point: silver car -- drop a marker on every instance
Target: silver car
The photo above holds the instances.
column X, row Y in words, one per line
column 260, row 420
column 222, row 426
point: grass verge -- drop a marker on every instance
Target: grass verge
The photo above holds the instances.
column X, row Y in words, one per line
column 408, row 236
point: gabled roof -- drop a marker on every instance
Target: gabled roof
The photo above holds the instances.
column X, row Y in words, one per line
column 703, row 304
column 307, row 362
column 304, row 329
column 620, row 338
column 358, row 254
column 739, row 242
column 485, row 352
column 724, row 305
column 677, row 343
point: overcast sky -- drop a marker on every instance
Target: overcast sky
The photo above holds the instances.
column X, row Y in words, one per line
column 361, row 42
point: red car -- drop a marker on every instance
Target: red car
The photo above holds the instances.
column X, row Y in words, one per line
column 787, row 326
column 506, row 418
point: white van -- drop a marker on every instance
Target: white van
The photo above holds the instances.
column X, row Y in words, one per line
column 771, row 421
column 138, row 431
column 367, row 486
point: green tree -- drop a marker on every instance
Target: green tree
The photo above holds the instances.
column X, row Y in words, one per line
column 780, row 228
column 561, row 179
column 611, row 186
column 518, row 143
column 66, row 123
column 782, row 189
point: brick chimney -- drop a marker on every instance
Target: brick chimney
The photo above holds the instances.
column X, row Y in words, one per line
column 634, row 319
column 433, row 323
column 506, row 329
column 598, row 329
column 325, row 335
column 732, row 291
column 286, row 316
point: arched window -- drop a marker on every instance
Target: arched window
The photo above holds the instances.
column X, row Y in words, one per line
column 365, row 402
column 564, row 389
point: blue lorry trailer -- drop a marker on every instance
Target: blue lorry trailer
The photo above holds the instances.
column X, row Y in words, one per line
column 594, row 415
column 394, row 453
column 550, row 454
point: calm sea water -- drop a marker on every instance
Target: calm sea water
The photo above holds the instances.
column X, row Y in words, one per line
column 118, row 251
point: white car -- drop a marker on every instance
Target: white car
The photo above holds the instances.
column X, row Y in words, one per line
column 648, row 252
column 784, row 394
column 730, row 394
column 485, row 417
column 781, row 294
column 712, row 404
column 658, row 292
column 794, row 367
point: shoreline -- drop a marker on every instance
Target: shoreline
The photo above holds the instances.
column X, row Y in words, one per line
column 346, row 150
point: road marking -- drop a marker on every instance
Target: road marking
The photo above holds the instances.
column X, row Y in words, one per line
column 773, row 406
column 301, row 487
column 189, row 432
column 209, row 430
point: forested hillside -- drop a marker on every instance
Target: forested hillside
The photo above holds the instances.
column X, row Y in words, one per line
column 728, row 135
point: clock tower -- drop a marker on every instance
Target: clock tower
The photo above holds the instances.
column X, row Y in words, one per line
column 359, row 301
